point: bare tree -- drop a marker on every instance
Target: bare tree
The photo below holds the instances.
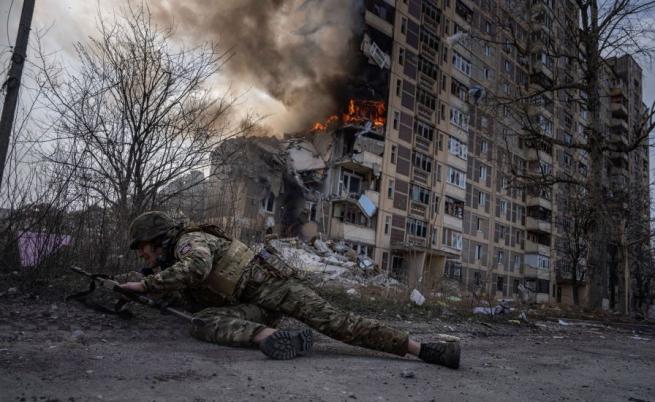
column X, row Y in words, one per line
column 136, row 115
column 560, row 59
column 572, row 245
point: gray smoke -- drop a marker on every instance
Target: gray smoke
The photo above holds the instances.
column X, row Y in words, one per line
column 297, row 51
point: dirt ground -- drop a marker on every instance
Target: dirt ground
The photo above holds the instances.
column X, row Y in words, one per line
column 55, row 351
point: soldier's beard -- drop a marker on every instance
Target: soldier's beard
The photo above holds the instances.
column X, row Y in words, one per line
column 150, row 254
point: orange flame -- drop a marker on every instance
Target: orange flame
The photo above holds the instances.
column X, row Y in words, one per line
column 359, row 111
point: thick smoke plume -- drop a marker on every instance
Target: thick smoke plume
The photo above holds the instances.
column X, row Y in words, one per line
column 297, row 51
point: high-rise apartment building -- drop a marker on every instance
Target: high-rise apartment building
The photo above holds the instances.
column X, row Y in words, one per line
column 450, row 202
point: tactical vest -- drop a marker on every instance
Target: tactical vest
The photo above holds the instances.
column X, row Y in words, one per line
column 225, row 278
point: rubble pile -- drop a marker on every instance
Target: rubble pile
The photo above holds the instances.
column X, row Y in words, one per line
column 331, row 262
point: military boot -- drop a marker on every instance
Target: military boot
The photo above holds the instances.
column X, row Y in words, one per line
column 444, row 352
column 285, row 345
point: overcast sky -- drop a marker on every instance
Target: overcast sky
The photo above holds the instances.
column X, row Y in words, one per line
column 62, row 22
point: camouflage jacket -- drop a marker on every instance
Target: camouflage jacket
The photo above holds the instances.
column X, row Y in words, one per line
column 194, row 254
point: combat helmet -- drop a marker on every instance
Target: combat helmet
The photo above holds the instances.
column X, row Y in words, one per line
column 149, row 226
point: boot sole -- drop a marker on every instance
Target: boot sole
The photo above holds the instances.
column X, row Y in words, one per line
column 285, row 345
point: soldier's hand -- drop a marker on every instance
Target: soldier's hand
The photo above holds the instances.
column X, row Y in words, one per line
column 134, row 287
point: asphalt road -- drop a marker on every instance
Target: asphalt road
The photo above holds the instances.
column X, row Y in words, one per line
column 64, row 353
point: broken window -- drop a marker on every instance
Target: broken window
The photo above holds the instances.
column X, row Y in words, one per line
column 427, row 99
column 349, row 213
column 311, row 211
column 459, row 118
column 456, row 177
column 398, row 267
column 459, row 90
column 423, row 130
column 387, row 223
column 464, row 11
column 268, row 203
column 420, row 194
column 350, row 182
column 500, row 284
column 429, row 39
column 483, row 199
column 457, row 148
column 454, row 207
column 394, row 151
column 422, row 161
column 431, row 11
column 540, row 213
column 452, row 239
column 417, row 227
column 453, row 270
column 428, row 68
column 396, row 119
column 543, row 285
column 390, row 190
column 462, row 63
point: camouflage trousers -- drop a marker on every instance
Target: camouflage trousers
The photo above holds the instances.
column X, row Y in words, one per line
column 268, row 296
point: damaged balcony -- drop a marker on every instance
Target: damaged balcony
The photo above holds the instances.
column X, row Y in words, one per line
column 537, row 243
column 361, row 151
column 538, row 219
column 453, row 213
column 350, row 222
column 536, row 266
column 539, row 197
column 430, row 15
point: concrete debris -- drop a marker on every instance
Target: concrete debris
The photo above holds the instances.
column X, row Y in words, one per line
column 341, row 247
column 417, row 298
column 524, row 317
column 563, row 323
column 329, row 261
column 321, row 247
column 12, row 291
column 364, row 262
column 367, row 206
column 407, row 374
column 498, row 310
column 374, row 53
column 352, row 292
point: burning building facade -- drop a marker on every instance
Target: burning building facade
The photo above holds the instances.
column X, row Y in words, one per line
column 412, row 172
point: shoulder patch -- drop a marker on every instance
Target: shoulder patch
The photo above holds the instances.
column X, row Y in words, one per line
column 183, row 249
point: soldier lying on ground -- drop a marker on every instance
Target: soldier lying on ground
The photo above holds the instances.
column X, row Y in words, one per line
column 240, row 295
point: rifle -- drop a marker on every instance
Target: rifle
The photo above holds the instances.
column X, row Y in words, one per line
column 108, row 283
